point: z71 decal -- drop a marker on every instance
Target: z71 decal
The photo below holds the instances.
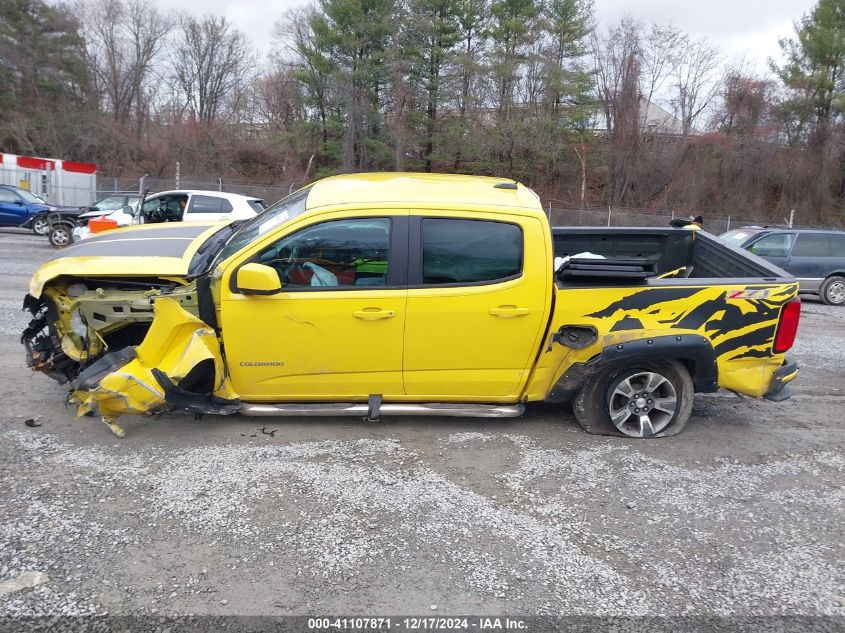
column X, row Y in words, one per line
column 749, row 293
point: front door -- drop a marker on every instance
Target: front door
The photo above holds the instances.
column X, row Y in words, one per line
column 335, row 330
column 12, row 210
column 476, row 306
column 774, row 247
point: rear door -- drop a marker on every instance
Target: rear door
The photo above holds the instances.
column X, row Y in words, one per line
column 811, row 259
column 476, row 305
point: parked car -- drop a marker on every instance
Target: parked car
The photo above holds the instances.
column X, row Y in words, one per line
column 815, row 256
column 19, row 207
column 178, row 206
column 411, row 294
column 60, row 223
column 115, row 201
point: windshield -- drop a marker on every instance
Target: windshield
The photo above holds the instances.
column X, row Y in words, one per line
column 112, row 203
column 31, row 198
column 284, row 210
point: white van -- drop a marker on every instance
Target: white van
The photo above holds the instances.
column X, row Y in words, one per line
column 179, row 206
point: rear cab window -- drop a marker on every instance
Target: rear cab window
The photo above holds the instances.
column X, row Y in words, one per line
column 463, row 252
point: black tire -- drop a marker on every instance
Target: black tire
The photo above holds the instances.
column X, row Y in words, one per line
column 832, row 290
column 599, row 393
column 60, row 236
column 40, row 225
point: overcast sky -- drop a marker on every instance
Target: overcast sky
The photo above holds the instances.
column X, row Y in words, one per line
column 741, row 28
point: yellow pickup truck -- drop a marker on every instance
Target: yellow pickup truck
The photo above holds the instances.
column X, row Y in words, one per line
column 410, row 294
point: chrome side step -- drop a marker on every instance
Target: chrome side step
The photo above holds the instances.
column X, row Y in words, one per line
column 457, row 410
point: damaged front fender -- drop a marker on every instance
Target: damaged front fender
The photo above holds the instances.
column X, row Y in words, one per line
column 179, row 364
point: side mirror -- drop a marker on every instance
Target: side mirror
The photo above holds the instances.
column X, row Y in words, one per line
column 258, row 279
column 127, row 210
column 19, row 202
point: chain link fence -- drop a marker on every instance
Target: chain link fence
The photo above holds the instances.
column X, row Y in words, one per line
column 559, row 214
column 269, row 193
column 618, row 216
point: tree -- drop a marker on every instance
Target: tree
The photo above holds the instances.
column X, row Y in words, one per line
column 814, row 73
column 354, row 35
column 44, row 85
column 432, row 33
column 311, row 66
column 696, row 80
column 210, row 63
column 472, row 31
column 618, row 59
column 124, row 45
column 745, row 101
column 569, row 25
column 815, row 62
column 514, row 25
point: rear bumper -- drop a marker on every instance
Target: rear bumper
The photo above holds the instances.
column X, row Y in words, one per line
column 778, row 390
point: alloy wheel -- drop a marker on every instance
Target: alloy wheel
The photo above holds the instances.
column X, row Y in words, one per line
column 642, row 403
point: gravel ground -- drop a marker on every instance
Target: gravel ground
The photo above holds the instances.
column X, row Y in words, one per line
column 741, row 515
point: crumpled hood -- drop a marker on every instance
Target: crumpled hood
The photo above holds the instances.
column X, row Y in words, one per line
column 149, row 250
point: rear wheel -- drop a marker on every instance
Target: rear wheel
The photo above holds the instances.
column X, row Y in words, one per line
column 40, row 225
column 60, row 236
column 649, row 399
column 832, row 291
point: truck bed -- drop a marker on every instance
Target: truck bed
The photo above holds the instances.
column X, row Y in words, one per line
column 657, row 251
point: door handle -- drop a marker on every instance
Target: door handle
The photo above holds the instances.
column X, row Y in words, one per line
column 373, row 314
column 509, row 311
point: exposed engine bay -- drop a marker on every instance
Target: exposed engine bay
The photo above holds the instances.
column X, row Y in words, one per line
column 128, row 346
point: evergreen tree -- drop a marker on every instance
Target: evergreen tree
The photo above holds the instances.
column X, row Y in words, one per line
column 815, row 62
column 353, row 36
column 43, row 82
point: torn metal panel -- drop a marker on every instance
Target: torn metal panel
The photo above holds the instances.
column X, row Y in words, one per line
column 180, row 351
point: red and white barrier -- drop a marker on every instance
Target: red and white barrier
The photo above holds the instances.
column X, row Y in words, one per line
column 59, row 182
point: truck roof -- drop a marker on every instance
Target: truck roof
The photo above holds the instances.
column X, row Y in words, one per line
column 427, row 190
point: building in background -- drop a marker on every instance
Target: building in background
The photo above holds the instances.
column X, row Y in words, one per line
column 59, row 182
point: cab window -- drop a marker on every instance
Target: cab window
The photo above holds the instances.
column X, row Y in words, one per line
column 469, row 251
column 340, row 253
column 7, row 196
column 166, row 208
column 812, row 245
column 209, row 204
column 776, row 245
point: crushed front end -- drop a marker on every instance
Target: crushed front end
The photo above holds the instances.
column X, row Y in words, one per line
column 128, row 347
